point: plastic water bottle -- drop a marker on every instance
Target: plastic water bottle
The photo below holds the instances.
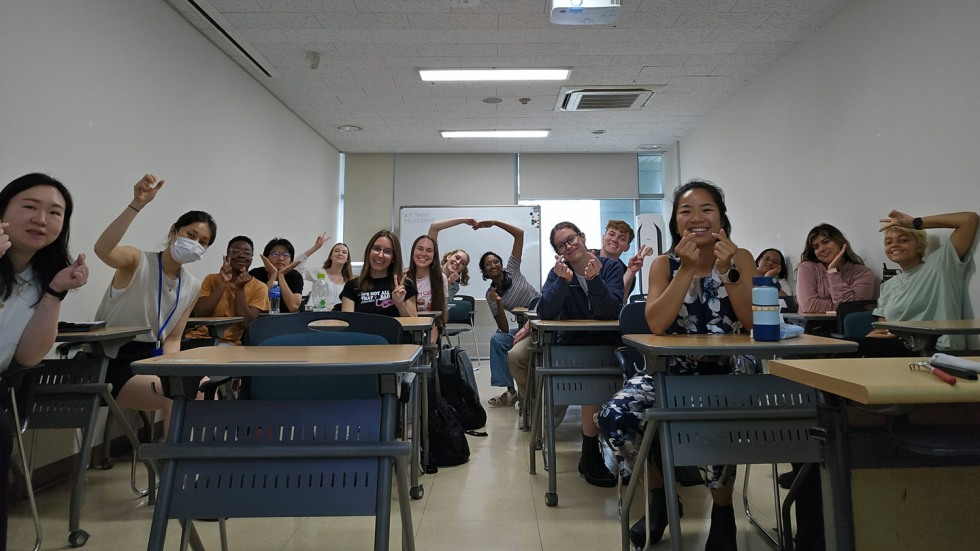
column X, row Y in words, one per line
column 765, row 308
column 318, row 296
column 274, row 295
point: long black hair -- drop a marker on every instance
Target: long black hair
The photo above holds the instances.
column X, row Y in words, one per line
column 505, row 280
column 833, row 234
column 717, row 195
column 51, row 259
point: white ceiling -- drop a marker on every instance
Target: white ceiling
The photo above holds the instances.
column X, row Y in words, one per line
column 701, row 51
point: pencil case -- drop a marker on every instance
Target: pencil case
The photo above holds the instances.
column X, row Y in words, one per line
column 957, row 367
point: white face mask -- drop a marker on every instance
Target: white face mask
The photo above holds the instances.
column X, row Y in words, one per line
column 186, row 250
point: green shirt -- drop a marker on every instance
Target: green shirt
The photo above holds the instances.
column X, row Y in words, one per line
column 932, row 290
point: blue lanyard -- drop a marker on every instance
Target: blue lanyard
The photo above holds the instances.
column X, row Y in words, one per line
column 180, row 275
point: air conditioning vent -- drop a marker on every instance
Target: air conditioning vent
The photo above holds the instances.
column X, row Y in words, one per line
column 599, row 98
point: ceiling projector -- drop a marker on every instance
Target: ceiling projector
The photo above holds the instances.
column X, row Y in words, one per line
column 585, row 12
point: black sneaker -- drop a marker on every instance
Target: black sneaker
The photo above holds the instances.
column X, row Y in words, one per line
column 659, row 520
column 591, row 465
column 785, row 480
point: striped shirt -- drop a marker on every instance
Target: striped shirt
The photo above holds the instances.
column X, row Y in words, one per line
column 521, row 292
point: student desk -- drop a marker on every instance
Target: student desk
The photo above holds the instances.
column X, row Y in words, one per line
column 908, row 506
column 419, row 329
column 657, row 348
column 921, row 336
column 182, row 371
column 822, row 323
column 67, row 393
column 592, row 382
column 216, row 325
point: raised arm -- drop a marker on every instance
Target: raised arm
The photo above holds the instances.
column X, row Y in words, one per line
column 518, row 248
column 964, row 225
column 39, row 334
column 440, row 225
column 121, row 258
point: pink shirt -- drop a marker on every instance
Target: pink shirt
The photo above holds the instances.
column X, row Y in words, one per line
column 820, row 291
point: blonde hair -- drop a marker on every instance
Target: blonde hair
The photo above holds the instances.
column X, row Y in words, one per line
column 918, row 235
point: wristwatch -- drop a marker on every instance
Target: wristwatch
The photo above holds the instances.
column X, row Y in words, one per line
column 917, row 223
column 731, row 276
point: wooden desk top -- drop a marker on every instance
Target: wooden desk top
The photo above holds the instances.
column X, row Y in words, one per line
column 430, row 313
column 726, row 345
column 215, row 321
column 934, row 327
column 283, row 360
column 810, row 316
column 575, row 325
column 881, row 381
column 102, row 334
column 417, row 323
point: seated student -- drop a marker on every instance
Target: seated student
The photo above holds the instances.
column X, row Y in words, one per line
column 36, row 273
column 279, row 265
column 455, row 263
column 508, row 289
column 695, row 288
column 337, row 267
column 617, row 240
column 830, row 272
column 430, row 285
column 771, row 263
column 930, row 288
column 580, row 286
column 231, row 292
column 150, row 289
column 381, row 289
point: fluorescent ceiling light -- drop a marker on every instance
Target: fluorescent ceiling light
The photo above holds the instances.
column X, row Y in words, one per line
column 441, row 75
column 495, row 133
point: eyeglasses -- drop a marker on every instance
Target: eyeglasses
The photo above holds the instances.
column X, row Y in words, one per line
column 570, row 242
column 287, row 256
column 492, row 262
column 378, row 250
column 239, row 252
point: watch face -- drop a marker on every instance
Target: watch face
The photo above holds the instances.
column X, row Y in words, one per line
column 733, row 275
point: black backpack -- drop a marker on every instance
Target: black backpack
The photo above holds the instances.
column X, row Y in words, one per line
column 455, row 374
column 447, row 440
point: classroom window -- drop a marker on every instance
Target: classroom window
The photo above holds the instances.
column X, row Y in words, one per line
column 651, row 184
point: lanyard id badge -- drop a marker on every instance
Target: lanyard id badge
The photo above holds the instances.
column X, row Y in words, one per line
column 158, row 349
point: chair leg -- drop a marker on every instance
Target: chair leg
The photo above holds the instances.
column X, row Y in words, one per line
column 27, row 471
column 476, row 348
column 748, row 510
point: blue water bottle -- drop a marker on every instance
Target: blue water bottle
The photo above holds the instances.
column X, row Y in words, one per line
column 274, row 294
column 765, row 308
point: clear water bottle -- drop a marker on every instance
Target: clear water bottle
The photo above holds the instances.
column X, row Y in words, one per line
column 765, row 308
column 274, row 295
column 318, row 296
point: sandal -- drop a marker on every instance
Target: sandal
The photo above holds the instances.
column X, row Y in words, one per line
column 506, row 399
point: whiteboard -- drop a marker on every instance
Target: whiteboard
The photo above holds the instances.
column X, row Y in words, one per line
column 415, row 221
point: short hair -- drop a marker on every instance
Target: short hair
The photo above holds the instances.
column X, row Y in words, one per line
column 717, row 195
column 622, row 227
column 193, row 217
column 281, row 242
column 238, row 238
column 345, row 271
column 835, row 235
column 918, row 235
column 561, row 226
column 51, row 259
column 364, row 279
column 783, row 272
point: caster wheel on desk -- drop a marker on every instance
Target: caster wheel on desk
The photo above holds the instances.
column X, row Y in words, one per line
column 417, row 492
column 77, row 538
column 550, row 499
column 431, row 469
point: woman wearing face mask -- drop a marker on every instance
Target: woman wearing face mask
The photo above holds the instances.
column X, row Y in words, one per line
column 830, row 272
column 152, row 289
column 771, row 263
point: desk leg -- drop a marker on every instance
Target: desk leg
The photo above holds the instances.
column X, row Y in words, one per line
column 158, row 528
column 76, row 536
column 429, row 467
column 382, row 522
column 836, row 475
column 550, row 498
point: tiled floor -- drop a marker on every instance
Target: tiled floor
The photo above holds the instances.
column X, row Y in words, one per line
column 489, row 503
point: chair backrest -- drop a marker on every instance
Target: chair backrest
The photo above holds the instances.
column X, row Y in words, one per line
column 267, row 327
column 791, row 305
column 858, row 324
column 461, row 309
column 333, row 387
column 639, row 297
column 844, row 309
column 632, row 319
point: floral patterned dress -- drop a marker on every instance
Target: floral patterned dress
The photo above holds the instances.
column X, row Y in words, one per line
column 706, row 310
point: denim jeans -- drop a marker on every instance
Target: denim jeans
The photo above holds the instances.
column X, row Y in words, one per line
column 500, row 343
